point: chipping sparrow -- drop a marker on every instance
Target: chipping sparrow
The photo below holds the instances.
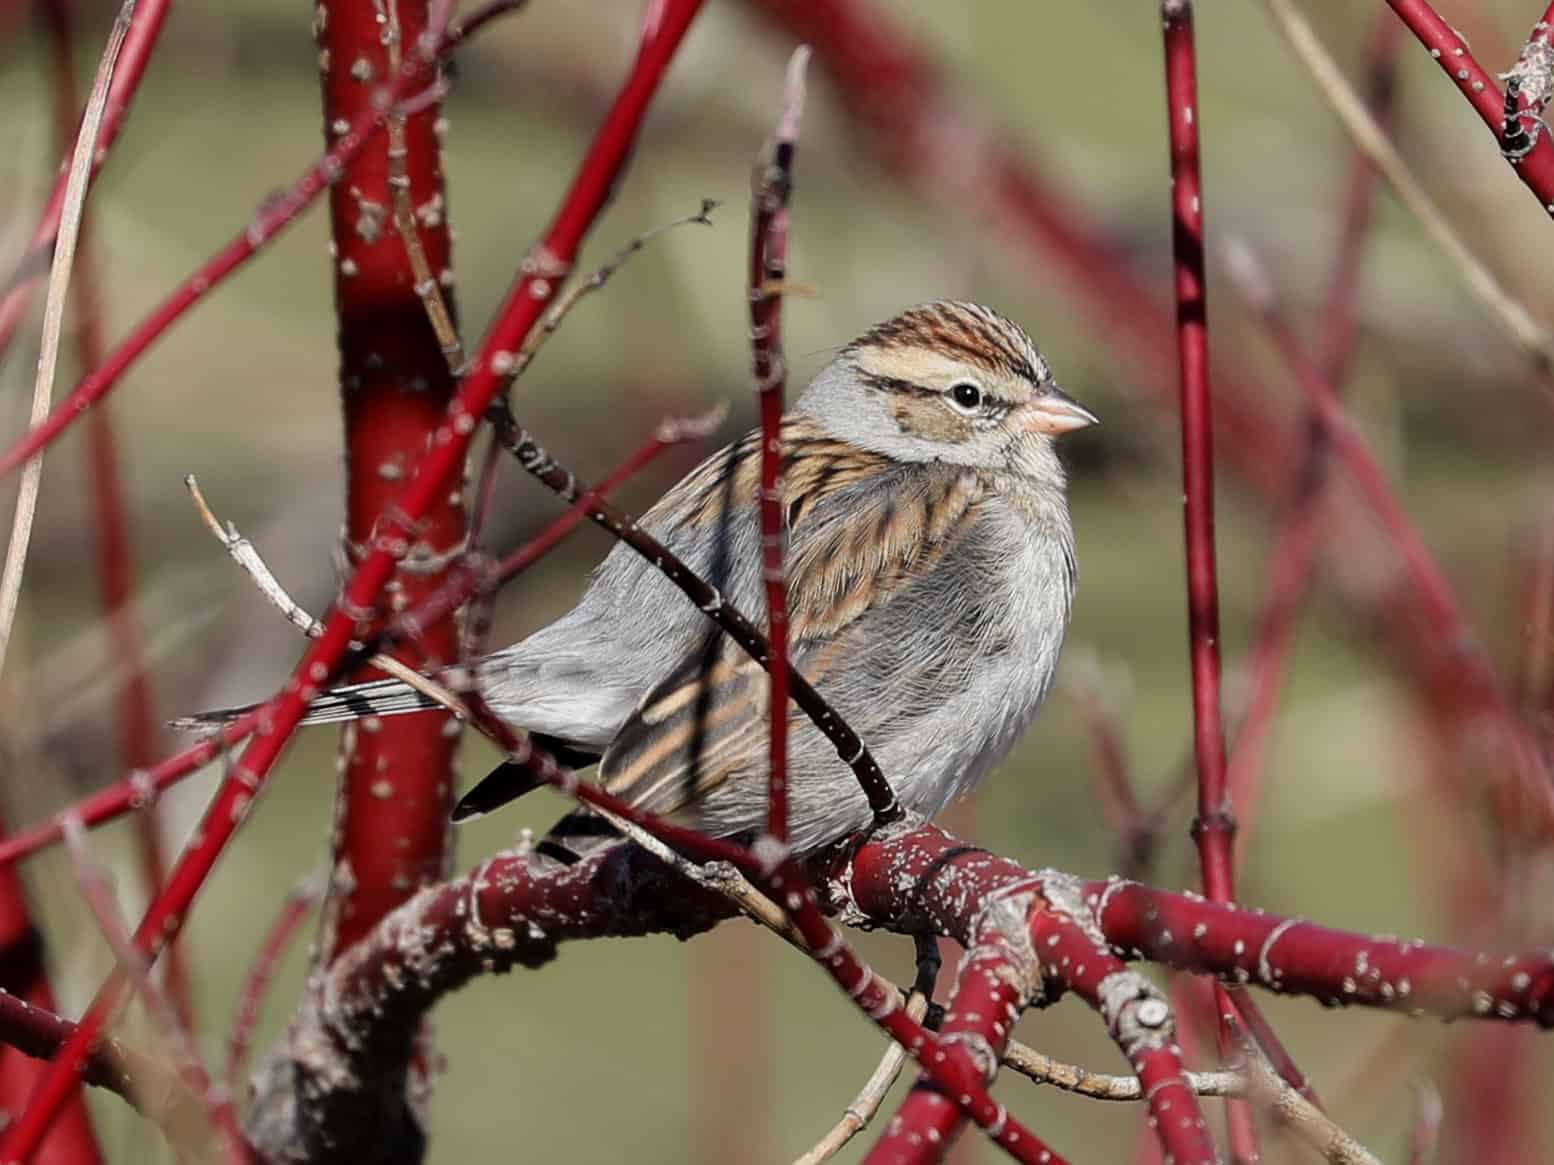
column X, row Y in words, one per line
column 930, row 572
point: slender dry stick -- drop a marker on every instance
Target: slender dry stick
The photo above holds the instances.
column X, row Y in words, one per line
column 1424, row 1134
column 53, row 319
column 1258, row 1081
column 867, row 1103
column 771, row 189
column 243, row 553
column 110, row 510
column 1310, row 1124
column 1369, row 137
column 1043, row 1069
column 97, row 892
column 256, row 984
column 1214, row 827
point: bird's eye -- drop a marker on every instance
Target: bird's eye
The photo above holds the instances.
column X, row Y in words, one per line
column 966, row 396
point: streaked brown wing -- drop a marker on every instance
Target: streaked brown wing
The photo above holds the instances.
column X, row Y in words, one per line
column 850, row 553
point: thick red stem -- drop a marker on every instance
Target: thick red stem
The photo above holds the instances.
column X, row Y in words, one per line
column 397, row 781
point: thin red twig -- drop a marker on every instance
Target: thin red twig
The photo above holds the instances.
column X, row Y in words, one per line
column 131, row 794
column 1527, row 149
column 256, row 984
column 1214, row 827
column 1525, row 798
column 114, row 558
column 134, row 55
column 271, row 218
column 547, row 265
column 141, row 788
column 772, row 186
column 1291, row 562
column 97, row 892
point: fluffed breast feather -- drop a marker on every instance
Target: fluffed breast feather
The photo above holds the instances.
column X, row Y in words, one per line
column 863, row 532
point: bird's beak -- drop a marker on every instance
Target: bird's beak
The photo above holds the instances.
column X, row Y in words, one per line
column 1054, row 412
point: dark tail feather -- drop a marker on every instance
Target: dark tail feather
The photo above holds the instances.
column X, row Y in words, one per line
column 374, row 698
column 575, row 836
column 508, row 781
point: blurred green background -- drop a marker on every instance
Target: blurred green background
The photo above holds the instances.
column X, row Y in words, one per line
column 729, row 1047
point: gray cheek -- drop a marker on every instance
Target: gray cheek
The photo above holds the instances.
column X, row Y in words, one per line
column 932, row 421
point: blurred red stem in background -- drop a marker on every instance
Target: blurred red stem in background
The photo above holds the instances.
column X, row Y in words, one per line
column 927, row 139
column 256, row 984
column 431, row 477
column 1523, row 797
column 1293, row 557
column 111, row 520
column 130, row 67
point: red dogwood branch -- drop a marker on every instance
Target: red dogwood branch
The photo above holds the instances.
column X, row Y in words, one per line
column 391, row 833
column 1530, row 153
column 1524, row 798
column 512, row 912
column 390, row 543
column 1294, row 554
column 1214, row 826
column 271, row 218
column 134, row 55
column 772, row 185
